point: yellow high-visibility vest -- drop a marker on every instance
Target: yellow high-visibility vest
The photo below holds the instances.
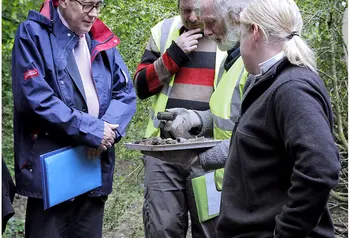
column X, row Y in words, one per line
column 225, row 105
column 226, row 99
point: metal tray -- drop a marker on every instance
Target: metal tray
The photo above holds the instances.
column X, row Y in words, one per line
column 169, row 147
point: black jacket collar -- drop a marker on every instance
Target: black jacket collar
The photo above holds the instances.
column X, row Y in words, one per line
column 233, row 55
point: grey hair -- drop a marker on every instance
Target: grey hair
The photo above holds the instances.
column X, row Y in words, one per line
column 229, row 8
column 281, row 23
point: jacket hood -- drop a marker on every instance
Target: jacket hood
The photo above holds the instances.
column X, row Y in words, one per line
column 99, row 31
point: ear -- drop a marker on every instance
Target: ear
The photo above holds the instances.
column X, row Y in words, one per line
column 256, row 33
column 63, row 3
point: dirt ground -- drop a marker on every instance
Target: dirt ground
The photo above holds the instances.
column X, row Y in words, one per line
column 123, row 213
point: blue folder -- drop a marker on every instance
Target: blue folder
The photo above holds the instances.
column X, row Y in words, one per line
column 67, row 173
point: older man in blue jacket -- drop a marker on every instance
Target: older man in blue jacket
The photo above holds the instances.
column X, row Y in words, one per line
column 70, row 87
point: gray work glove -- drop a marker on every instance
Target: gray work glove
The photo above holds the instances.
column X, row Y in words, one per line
column 183, row 157
column 185, row 120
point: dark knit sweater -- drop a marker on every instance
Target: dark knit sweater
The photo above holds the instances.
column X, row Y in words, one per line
column 282, row 161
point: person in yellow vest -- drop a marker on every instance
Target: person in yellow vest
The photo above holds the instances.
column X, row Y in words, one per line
column 177, row 69
column 218, row 122
column 229, row 86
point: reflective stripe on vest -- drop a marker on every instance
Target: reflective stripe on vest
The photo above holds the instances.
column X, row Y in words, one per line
column 163, row 34
column 226, row 99
column 218, row 178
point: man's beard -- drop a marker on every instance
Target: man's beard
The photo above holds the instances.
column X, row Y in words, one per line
column 230, row 40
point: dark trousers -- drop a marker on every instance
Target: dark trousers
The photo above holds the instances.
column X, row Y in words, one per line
column 168, row 199
column 82, row 217
column 8, row 193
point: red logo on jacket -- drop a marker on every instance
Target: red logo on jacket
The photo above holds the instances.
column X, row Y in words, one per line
column 30, row 74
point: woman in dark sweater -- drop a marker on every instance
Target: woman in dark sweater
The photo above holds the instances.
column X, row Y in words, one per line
column 283, row 161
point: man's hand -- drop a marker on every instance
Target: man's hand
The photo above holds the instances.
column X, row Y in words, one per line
column 108, row 136
column 183, row 157
column 185, row 120
column 188, row 41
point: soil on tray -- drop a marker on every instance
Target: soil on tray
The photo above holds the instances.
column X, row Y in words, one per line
column 168, row 141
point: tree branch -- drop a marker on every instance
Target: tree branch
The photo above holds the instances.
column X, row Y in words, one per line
column 334, row 81
column 312, row 17
column 6, row 18
column 338, row 197
column 325, row 74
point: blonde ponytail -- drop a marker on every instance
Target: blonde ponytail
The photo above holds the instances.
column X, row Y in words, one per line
column 298, row 53
column 281, row 23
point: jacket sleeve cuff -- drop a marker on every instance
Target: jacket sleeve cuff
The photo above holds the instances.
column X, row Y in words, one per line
column 214, row 158
column 177, row 54
column 92, row 128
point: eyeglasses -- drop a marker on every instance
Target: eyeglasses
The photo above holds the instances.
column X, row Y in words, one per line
column 186, row 11
column 87, row 7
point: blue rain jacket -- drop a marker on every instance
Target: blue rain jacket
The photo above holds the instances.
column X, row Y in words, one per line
column 50, row 109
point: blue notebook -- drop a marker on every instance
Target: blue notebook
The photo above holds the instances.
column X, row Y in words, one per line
column 67, row 173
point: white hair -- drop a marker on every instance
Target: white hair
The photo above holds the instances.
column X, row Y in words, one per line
column 229, row 8
column 281, row 23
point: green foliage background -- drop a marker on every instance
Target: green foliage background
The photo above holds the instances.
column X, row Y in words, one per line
column 131, row 20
